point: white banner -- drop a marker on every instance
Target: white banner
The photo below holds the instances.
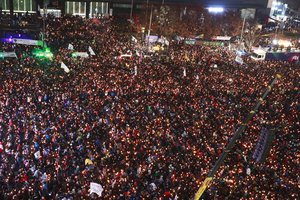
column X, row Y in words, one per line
column 8, row 55
column 239, row 60
column 80, row 54
column 151, row 38
column 222, row 38
column 96, row 188
column 28, row 42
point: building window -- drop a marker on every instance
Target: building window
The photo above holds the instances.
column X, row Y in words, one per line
column 19, row 5
column 82, row 8
column 16, row 5
column 99, row 8
column 75, row 8
column 2, row 5
column 28, row 5
column 69, row 7
column 79, row 8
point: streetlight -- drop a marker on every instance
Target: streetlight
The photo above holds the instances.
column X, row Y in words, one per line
column 241, row 39
column 150, row 23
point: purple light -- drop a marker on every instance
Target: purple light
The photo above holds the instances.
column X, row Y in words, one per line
column 7, row 40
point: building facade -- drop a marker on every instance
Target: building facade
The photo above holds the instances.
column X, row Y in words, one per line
column 18, row 5
column 80, row 8
column 90, row 8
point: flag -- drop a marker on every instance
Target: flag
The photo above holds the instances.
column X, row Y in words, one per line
column 96, row 188
column 176, row 197
column 71, row 47
column 1, row 147
column 133, row 39
column 135, row 70
column 91, row 51
column 63, row 66
column 138, row 53
column 37, row 155
column 140, row 57
column 167, row 42
column 164, row 40
column 88, row 162
column 239, row 60
column 248, row 171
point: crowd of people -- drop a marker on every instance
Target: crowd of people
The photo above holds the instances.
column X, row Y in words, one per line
column 148, row 127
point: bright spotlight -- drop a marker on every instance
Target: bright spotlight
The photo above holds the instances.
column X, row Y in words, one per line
column 275, row 42
column 285, row 43
column 215, row 9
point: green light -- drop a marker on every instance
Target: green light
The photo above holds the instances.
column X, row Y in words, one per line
column 40, row 53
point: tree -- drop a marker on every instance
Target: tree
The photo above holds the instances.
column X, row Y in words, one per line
column 232, row 23
column 194, row 20
column 251, row 34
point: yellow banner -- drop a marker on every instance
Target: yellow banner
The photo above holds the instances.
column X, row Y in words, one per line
column 203, row 188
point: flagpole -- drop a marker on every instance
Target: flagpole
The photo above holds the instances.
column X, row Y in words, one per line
column 147, row 13
column 149, row 29
column 236, row 135
column 131, row 10
column 44, row 24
